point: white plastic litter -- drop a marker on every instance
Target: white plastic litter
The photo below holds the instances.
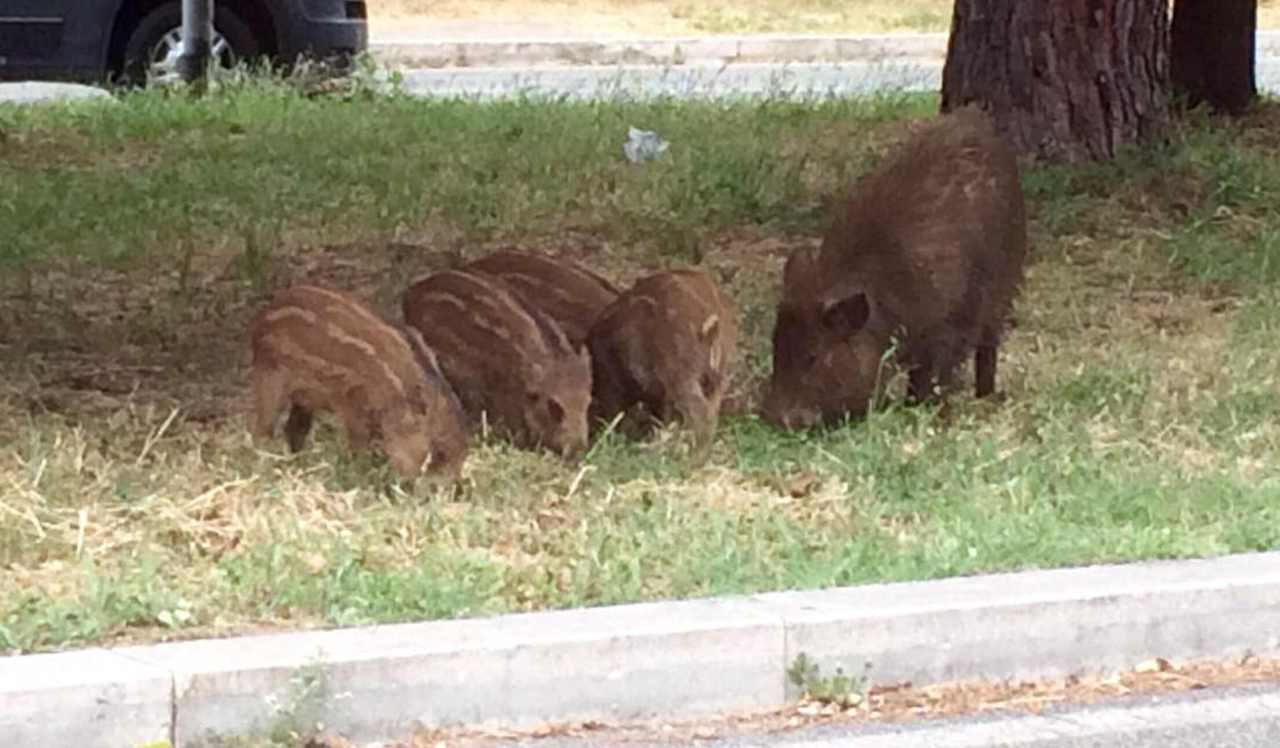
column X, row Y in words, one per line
column 643, row 145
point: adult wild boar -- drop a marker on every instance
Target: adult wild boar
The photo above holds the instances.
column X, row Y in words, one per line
column 925, row 256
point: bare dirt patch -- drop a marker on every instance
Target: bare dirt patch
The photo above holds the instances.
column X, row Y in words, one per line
column 84, row 343
column 611, row 18
column 603, row 19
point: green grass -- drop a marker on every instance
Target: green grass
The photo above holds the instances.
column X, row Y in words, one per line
column 1139, row 418
column 202, row 169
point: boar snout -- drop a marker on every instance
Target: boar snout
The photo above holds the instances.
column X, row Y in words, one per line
column 569, row 441
column 414, row 453
column 408, row 462
column 798, row 419
column 790, row 416
column 698, row 414
column 446, row 465
column 571, row 451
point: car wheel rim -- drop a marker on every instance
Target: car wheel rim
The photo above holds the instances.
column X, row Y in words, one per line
column 163, row 61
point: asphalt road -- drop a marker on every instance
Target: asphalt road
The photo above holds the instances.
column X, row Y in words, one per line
column 790, row 80
column 804, row 80
column 1238, row 717
column 686, row 81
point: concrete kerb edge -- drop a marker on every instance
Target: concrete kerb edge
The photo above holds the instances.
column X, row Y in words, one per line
column 674, row 659
column 85, row 697
column 758, row 48
column 671, row 51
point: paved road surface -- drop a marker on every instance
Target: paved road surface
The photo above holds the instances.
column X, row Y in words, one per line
column 1240, row 717
column 794, row 79
column 802, row 80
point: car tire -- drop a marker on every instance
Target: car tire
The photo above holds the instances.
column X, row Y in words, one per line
column 154, row 26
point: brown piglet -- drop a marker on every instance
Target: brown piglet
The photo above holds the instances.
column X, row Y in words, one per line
column 566, row 291
column 316, row 348
column 508, row 361
column 668, row 343
column 920, row 265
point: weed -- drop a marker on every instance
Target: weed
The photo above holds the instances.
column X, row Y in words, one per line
column 301, row 713
column 255, row 259
column 842, row 690
column 296, row 718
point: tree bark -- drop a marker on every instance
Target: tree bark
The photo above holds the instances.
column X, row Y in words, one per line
column 1212, row 57
column 1065, row 80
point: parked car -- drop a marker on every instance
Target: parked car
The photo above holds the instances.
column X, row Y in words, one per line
column 129, row 39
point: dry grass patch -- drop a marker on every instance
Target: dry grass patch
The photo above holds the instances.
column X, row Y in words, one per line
column 668, row 18
column 608, row 18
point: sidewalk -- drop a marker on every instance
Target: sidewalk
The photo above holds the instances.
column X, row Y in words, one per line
column 505, row 45
column 423, row 52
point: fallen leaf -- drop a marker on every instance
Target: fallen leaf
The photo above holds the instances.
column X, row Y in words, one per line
column 315, row 562
column 803, row 484
column 1156, row 665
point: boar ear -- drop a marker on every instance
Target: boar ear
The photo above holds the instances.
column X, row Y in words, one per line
column 532, row 372
column 710, row 328
column 799, row 264
column 848, row 315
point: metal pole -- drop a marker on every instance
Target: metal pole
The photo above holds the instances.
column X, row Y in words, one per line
column 197, row 40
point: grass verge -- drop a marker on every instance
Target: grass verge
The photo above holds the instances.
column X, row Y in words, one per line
column 1139, row 419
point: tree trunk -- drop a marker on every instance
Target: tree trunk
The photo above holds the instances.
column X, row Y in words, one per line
column 1065, row 80
column 1213, row 52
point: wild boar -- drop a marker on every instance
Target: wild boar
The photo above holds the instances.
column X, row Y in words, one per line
column 924, row 257
column 668, row 343
column 506, row 360
column 316, row 348
column 567, row 292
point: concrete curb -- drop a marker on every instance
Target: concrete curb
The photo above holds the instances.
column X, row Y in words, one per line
column 430, row 53
column 1245, row 715
column 417, row 51
column 32, row 92
column 673, row 659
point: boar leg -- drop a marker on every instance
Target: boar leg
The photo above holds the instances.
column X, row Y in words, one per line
column 607, row 398
column 297, row 427
column 270, row 396
column 354, row 415
column 920, row 384
column 984, row 369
